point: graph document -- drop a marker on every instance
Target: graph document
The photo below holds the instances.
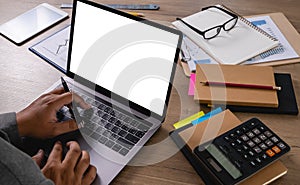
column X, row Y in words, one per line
column 54, row 49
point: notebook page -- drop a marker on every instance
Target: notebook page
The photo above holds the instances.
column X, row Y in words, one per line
column 229, row 47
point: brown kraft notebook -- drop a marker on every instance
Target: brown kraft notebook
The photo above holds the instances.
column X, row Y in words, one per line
column 242, row 96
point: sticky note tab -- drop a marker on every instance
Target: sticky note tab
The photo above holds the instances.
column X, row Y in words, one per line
column 192, row 84
column 207, row 116
column 188, row 120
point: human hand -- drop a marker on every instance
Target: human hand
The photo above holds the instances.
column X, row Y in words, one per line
column 74, row 169
column 39, row 118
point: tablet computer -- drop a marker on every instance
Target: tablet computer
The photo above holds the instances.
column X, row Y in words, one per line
column 32, row 22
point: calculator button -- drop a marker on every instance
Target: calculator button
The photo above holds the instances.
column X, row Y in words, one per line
column 251, row 153
column 251, row 144
column 256, row 140
column 246, row 156
column 276, row 149
column 262, row 128
column 264, row 156
column 263, row 146
column 257, row 149
column 252, row 124
column 256, row 131
column 258, row 160
column 274, row 139
column 238, row 141
column 245, row 147
column 250, row 134
column 244, row 129
column 226, row 138
column 268, row 133
column 244, row 138
column 269, row 143
column 281, row 146
column 233, row 144
column 232, row 135
column 270, row 153
column 262, row 137
column 253, row 163
column 238, row 132
column 238, row 164
column 239, row 150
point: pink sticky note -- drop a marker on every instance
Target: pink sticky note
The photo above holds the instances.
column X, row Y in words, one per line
column 192, row 84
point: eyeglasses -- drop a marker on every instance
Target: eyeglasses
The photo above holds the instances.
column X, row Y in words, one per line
column 214, row 31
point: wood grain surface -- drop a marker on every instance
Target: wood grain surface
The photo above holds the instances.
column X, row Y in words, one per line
column 24, row 76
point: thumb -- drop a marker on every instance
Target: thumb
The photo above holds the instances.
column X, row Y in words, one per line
column 38, row 158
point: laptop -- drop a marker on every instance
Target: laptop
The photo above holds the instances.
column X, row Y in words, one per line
column 124, row 67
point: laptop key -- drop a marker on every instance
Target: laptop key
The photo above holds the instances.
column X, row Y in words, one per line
column 106, row 116
column 132, row 131
column 95, row 136
column 86, row 131
column 122, row 133
column 148, row 124
column 116, row 147
column 109, row 126
column 123, row 151
column 109, row 144
column 132, row 138
column 124, row 143
column 102, row 139
column 143, row 128
column 115, row 129
column 140, row 134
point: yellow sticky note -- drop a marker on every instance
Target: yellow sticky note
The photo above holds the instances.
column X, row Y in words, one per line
column 188, row 120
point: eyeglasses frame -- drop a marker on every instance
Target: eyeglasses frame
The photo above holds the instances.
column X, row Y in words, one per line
column 234, row 16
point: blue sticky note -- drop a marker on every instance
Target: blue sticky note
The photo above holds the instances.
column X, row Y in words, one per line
column 207, row 116
column 259, row 22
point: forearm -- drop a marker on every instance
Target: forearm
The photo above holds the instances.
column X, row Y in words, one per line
column 9, row 129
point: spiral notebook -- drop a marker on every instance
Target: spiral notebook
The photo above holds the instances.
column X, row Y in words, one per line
column 235, row 46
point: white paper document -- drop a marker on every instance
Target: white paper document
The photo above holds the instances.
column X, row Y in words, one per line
column 54, row 49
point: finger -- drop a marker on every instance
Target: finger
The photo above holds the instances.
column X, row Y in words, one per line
column 62, row 99
column 59, row 90
column 39, row 157
column 56, row 153
column 82, row 164
column 72, row 155
column 90, row 175
column 80, row 101
column 64, row 127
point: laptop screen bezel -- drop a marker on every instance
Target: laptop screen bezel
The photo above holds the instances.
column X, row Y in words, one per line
column 108, row 93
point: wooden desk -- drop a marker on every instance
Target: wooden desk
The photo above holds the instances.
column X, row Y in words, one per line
column 24, row 76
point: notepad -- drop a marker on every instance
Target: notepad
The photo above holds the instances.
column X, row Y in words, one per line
column 235, row 46
column 259, row 75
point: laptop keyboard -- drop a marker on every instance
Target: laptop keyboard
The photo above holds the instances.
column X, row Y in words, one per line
column 112, row 128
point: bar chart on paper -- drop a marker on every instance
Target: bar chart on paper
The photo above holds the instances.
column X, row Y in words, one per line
column 54, row 49
column 281, row 52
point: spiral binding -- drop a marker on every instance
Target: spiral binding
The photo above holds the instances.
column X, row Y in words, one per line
column 250, row 24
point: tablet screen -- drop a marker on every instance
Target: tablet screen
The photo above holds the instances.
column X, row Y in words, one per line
column 31, row 22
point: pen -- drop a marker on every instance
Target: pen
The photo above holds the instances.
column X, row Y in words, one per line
column 229, row 84
column 73, row 106
column 66, row 89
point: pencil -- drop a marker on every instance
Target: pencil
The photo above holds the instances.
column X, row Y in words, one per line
column 229, row 84
column 136, row 14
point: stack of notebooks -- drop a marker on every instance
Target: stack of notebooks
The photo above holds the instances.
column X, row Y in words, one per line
column 253, row 97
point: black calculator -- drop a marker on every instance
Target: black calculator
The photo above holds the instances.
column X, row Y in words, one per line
column 241, row 152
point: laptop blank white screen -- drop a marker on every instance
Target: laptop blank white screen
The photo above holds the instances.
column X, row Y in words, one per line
column 127, row 57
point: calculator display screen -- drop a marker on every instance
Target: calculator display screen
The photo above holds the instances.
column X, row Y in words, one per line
column 223, row 160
